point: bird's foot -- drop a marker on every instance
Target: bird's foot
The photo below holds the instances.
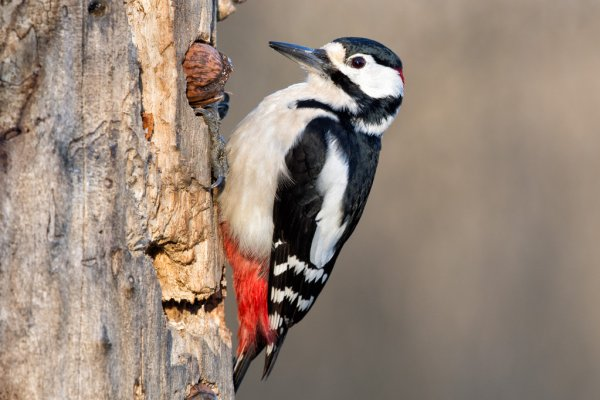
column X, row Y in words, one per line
column 212, row 115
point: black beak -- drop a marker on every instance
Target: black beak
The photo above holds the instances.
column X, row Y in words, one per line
column 310, row 59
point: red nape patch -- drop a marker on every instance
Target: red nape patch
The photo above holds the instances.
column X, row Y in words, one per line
column 251, row 286
column 399, row 70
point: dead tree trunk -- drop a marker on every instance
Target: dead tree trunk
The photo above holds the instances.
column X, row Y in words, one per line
column 111, row 271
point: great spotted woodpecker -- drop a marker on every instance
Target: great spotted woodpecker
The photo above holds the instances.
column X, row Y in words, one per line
column 301, row 168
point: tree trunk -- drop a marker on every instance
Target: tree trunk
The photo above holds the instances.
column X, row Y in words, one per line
column 111, row 270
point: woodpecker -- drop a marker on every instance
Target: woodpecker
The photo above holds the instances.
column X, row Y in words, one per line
column 301, row 169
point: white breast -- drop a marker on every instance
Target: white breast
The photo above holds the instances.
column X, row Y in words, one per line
column 256, row 154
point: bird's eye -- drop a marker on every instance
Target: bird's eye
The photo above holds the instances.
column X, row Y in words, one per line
column 358, row 62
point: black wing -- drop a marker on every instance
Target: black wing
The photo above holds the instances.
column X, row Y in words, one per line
column 294, row 281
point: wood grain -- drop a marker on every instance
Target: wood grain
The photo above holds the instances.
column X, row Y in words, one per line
column 111, row 272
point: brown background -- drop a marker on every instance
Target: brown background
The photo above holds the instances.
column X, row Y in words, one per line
column 475, row 272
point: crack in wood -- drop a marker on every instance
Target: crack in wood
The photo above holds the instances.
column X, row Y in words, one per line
column 174, row 309
column 80, row 142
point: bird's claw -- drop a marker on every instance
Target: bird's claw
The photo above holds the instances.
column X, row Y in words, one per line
column 212, row 115
column 218, row 183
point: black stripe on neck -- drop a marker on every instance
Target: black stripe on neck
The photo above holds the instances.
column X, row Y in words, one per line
column 312, row 103
column 371, row 111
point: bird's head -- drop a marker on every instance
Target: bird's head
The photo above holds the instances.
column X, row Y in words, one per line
column 350, row 61
column 369, row 73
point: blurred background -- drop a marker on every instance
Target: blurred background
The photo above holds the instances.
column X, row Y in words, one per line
column 475, row 271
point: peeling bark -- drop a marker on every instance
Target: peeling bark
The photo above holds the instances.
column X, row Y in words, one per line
column 111, row 270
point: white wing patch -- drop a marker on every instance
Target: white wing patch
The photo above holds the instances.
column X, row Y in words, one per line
column 299, row 267
column 292, row 262
column 313, row 274
column 275, row 321
column 331, row 184
column 304, row 304
column 278, row 295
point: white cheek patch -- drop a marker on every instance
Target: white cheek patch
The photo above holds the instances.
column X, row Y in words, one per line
column 375, row 80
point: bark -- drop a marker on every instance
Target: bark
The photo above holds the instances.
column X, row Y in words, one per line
column 111, row 270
